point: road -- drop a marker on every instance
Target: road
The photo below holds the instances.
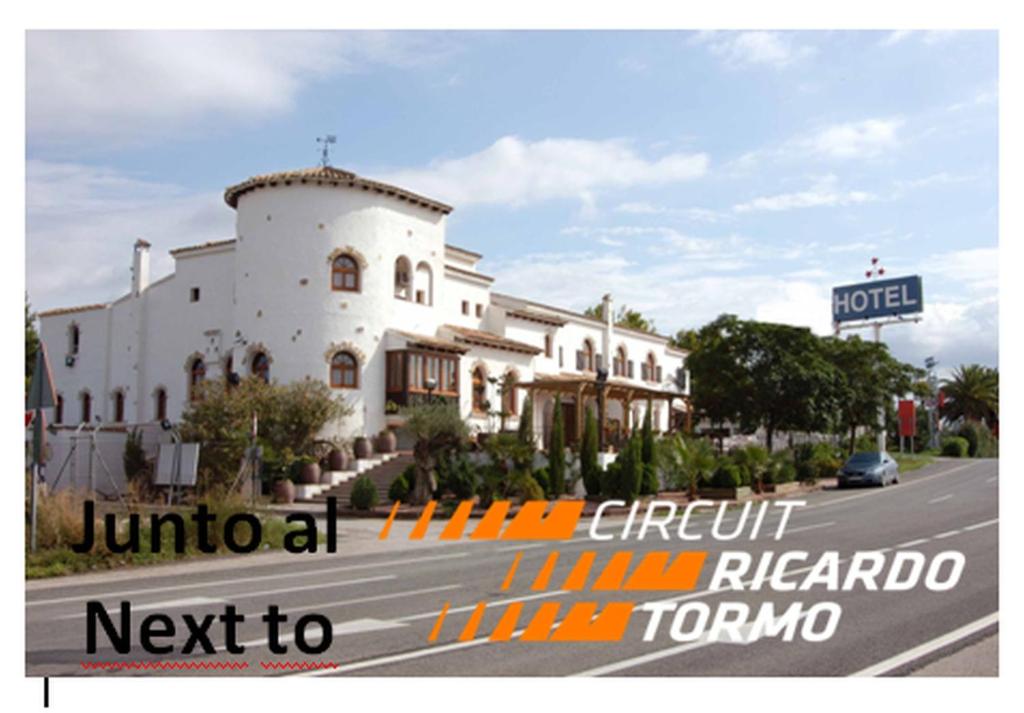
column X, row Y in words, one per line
column 384, row 597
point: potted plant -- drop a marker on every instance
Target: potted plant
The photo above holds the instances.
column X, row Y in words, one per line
column 284, row 490
column 309, row 470
column 362, row 447
column 337, row 459
column 387, row 441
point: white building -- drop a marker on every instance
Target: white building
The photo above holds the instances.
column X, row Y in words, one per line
column 336, row 277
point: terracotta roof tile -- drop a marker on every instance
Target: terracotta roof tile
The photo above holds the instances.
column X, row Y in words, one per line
column 333, row 177
column 70, row 310
column 202, row 246
column 494, row 341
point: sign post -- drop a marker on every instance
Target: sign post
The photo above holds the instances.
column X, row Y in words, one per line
column 874, row 304
column 40, row 396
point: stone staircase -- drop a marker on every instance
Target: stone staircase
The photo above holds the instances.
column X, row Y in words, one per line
column 382, row 469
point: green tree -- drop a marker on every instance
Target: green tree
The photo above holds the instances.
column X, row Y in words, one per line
column 630, row 471
column 526, row 422
column 291, row 418
column 754, row 461
column 556, row 450
column 972, row 393
column 31, row 343
column 589, row 468
column 436, row 428
column 759, row 374
column 865, row 378
column 624, row 317
column 688, row 463
column 687, row 339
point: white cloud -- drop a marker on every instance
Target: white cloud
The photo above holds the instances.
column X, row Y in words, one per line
column 739, row 49
column 928, row 37
column 82, row 221
column 697, row 215
column 858, row 139
column 512, row 171
column 823, row 193
column 125, row 86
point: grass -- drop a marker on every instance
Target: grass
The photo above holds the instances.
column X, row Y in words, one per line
column 909, row 462
column 60, row 525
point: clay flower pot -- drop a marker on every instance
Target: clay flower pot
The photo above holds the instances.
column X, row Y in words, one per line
column 387, row 442
column 309, row 474
column 362, row 447
column 284, row 491
column 337, row 460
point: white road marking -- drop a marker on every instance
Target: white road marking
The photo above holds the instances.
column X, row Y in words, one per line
column 237, row 580
column 912, row 543
column 940, row 499
column 360, row 600
column 516, row 548
column 168, row 604
column 944, row 535
column 979, row 525
column 819, row 525
column 471, row 607
column 992, row 479
column 928, row 647
column 354, row 626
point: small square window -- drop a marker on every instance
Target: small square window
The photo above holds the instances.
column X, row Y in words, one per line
column 193, row 294
column 479, row 310
column 465, row 307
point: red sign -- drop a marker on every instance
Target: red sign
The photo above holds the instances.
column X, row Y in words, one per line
column 29, row 418
column 908, row 418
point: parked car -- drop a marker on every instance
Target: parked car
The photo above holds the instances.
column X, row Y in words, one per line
column 869, row 468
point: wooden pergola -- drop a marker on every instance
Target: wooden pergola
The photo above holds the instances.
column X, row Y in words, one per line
column 583, row 387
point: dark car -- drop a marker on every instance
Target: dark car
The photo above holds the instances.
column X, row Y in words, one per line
column 869, row 468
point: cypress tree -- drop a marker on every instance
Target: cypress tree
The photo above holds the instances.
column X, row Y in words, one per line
column 556, row 451
column 588, row 456
column 526, row 422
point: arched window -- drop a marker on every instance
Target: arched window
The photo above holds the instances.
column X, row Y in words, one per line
column 58, row 410
column 345, row 274
column 261, row 366
column 479, row 390
column 508, row 394
column 196, row 375
column 344, row 371
column 161, row 404
column 619, row 363
column 118, row 406
column 403, row 278
column 585, row 356
column 424, row 284
column 74, row 339
column 86, row 407
column 650, row 368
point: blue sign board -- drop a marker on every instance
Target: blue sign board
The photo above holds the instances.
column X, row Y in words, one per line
column 878, row 298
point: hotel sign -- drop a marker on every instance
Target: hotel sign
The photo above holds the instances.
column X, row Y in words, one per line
column 878, row 298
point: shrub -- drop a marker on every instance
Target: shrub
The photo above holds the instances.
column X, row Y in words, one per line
column 631, row 471
column 806, row 472
column 364, row 494
column 399, row 490
column 529, row 488
column 727, row 475
column 786, row 473
column 544, row 481
column 455, row 474
column 136, row 467
column 956, row 447
column 980, row 441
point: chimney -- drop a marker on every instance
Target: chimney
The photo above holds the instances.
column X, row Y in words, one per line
column 606, row 341
column 140, row 267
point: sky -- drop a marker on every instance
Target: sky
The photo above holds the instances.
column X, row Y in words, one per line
column 690, row 174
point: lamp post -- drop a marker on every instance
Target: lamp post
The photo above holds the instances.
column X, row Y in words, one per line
column 601, row 383
column 431, row 384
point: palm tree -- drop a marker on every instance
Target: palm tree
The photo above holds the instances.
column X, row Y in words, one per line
column 688, row 462
column 972, row 393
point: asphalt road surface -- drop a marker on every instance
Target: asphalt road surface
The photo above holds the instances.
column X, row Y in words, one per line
column 384, row 597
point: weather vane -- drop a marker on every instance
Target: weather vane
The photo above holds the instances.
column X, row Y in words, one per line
column 325, row 152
